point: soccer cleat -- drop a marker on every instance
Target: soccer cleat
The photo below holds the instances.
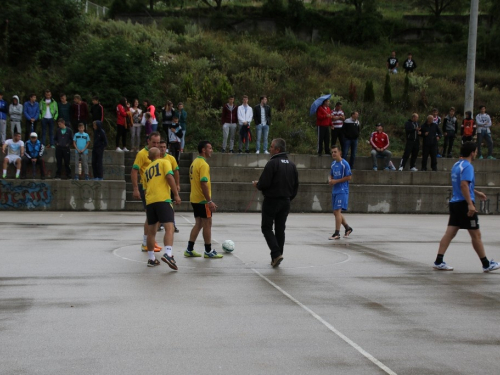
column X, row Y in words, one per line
column 170, row 261
column 153, row 263
column 158, row 248
column 442, row 267
column 348, row 232
column 413, row 169
column 213, row 255
column 191, row 254
column 492, row 267
column 335, row 236
column 401, row 169
column 276, row 261
column 176, row 230
column 160, row 228
column 144, row 247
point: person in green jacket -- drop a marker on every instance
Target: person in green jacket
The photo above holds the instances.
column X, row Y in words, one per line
column 48, row 114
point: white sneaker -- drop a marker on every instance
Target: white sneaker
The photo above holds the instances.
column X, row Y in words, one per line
column 257, row 152
column 444, row 267
column 125, row 149
column 493, row 266
column 118, row 149
column 401, row 169
column 413, row 169
column 266, row 152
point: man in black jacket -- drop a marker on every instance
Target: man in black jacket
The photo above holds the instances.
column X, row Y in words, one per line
column 412, row 147
column 351, row 134
column 262, row 118
column 63, row 140
column 279, row 183
column 431, row 133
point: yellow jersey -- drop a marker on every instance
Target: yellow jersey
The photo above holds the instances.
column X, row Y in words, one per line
column 141, row 162
column 155, row 181
column 199, row 172
column 171, row 159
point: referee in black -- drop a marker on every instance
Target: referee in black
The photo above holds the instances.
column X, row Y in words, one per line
column 279, row 183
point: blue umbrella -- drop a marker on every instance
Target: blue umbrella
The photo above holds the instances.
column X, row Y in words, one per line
column 317, row 103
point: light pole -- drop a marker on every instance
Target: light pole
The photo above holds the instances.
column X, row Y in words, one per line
column 471, row 57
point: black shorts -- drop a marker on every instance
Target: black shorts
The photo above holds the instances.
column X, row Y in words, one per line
column 201, row 210
column 143, row 195
column 159, row 212
column 459, row 218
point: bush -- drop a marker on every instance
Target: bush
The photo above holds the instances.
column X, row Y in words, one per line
column 40, row 33
column 369, row 96
column 387, row 90
column 118, row 69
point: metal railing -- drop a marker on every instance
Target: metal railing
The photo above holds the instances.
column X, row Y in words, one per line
column 91, row 8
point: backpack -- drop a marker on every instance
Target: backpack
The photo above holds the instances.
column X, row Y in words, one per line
column 468, row 126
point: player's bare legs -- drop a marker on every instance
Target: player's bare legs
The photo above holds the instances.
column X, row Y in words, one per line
column 449, row 235
column 477, row 243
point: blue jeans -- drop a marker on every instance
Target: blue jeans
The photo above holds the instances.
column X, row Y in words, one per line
column 487, row 137
column 262, row 128
column 50, row 123
column 351, row 144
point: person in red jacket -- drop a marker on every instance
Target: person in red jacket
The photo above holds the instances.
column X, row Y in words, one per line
column 324, row 122
column 121, row 125
column 79, row 113
column 380, row 142
column 229, row 123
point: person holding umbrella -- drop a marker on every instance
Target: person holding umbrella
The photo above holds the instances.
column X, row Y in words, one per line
column 321, row 107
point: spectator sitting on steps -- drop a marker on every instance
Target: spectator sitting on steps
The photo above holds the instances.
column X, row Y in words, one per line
column 380, row 144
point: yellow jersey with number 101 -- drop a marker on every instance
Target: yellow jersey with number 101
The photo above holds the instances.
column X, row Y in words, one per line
column 199, row 172
column 155, row 181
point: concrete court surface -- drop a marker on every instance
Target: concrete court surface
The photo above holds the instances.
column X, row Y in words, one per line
column 76, row 297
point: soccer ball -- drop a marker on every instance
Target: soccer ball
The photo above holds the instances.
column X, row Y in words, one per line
column 228, row 246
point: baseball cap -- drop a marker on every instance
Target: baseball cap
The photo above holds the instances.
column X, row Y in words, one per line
column 379, row 124
column 33, row 135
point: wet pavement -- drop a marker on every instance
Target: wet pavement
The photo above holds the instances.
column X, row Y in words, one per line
column 76, row 297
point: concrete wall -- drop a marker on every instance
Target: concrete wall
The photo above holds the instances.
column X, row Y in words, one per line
column 61, row 195
column 113, row 163
column 239, row 197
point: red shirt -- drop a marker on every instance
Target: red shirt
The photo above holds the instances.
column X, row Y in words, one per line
column 379, row 140
column 321, row 116
column 121, row 115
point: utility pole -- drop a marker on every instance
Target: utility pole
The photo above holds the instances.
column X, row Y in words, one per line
column 471, row 57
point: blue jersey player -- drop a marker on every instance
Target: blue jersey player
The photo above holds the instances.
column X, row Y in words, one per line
column 340, row 175
column 463, row 213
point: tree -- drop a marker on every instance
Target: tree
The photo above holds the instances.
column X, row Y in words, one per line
column 40, row 31
column 360, row 5
column 387, row 90
column 369, row 95
column 436, row 7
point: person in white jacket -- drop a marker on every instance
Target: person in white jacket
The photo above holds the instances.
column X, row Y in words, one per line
column 245, row 116
column 16, row 115
column 483, row 123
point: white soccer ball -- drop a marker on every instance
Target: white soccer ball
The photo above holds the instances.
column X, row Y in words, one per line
column 228, row 246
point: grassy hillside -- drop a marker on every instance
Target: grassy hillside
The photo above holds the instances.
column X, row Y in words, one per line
column 201, row 67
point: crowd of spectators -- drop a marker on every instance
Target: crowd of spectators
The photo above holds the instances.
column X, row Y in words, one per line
column 332, row 123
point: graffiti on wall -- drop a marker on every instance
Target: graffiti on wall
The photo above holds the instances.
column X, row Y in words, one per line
column 86, row 196
column 25, row 195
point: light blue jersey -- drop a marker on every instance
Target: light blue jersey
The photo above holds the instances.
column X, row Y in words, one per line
column 81, row 140
column 340, row 169
column 462, row 171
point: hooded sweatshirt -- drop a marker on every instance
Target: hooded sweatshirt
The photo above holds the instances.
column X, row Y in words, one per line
column 16, row 110
column 100, row 140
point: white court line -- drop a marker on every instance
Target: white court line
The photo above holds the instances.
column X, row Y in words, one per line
column 320, row 319
column 115, row 252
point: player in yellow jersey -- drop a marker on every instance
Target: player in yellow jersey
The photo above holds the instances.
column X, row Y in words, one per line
column 201, row 200
column 140, row 164
column 160, row 185
column 175, row 167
